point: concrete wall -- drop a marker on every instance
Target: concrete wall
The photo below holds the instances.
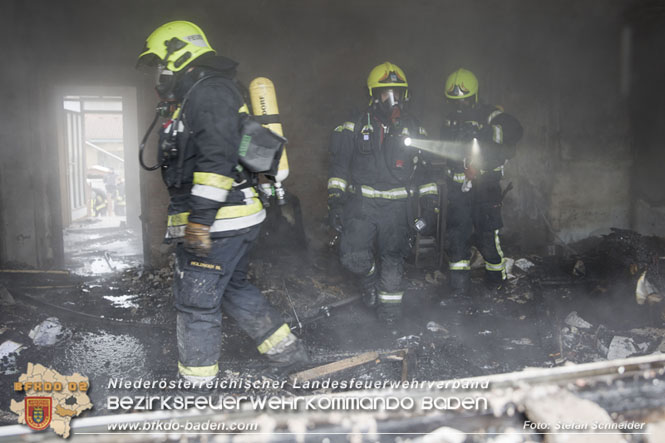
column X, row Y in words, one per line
column 555, row 65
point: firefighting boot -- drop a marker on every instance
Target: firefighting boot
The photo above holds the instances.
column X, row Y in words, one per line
column 389, row 313
column 494, row 283
column 188, row 385
column 459, row 284
column 287, row 357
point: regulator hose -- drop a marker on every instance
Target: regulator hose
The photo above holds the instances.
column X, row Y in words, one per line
column 145, row 139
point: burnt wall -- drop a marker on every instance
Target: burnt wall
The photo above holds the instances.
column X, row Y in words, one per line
column 554, row 65
column 646, row 99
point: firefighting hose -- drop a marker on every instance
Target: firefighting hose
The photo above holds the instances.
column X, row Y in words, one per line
column 324, row 311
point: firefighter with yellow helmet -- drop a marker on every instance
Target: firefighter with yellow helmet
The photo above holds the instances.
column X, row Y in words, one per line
column 474, row 189
column 373, row 178
column 215, row 213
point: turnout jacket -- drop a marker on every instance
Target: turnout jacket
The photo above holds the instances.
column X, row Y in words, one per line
column 497, row 133
column 370, row 159
column 204, row 181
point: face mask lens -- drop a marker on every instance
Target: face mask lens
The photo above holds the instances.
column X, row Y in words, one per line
column 390, row 97
column 164, row 76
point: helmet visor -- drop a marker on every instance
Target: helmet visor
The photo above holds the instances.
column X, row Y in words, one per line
column 389, row 96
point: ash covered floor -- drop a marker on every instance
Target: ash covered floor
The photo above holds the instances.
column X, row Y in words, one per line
column 119, row 321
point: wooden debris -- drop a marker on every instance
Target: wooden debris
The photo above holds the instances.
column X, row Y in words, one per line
column 350, row 362
column 337, row 366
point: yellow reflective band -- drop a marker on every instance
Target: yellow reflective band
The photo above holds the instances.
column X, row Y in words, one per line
column 178, row 219
column 391, row 194
column 495, row 267
column 462, row 265
column 252, row 207
column 497, row 243
column 198, row 371
column 494, row 114
column 395, row 297
column 210, row 192
column 458, row 177
column 243, row 109
column 429, row 188
column 231, row 224
column 211, row 179
column 405, row 131
column 276, row 337
column 337, row 183
column 348, row 126
column 422, row 131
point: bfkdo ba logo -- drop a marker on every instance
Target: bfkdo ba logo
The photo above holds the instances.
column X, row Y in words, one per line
column 38, row 412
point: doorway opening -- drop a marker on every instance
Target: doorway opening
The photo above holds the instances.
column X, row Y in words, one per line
column 99, row 180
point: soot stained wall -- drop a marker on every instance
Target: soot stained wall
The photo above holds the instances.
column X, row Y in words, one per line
column 555, row 65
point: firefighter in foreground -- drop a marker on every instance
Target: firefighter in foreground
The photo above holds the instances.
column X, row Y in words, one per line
column 474, row 189
column 215, row 212
column 374, row 180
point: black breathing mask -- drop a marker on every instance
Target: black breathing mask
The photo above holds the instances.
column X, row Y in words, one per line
column 166, row 81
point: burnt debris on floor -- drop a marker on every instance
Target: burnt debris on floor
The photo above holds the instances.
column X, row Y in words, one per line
column 577, row 307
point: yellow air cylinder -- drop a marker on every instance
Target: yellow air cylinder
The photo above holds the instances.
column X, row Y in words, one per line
column 264, row 104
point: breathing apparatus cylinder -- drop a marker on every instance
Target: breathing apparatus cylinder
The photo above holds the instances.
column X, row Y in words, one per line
column 264, row 106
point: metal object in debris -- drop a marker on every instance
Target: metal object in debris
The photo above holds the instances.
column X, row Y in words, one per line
column 107, row 257
column 524, row 264
column 435, row 327
column 645, row 291
column 409, row 340
column 573, row 319
column 623, row 347
column 9, row 347
column 46, row 333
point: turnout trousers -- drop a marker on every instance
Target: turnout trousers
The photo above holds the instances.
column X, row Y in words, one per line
column 374, row 243
column 474, row 219
column 205, row 285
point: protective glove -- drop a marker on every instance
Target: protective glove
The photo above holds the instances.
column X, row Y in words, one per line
column 197, row 239
column 470, row 172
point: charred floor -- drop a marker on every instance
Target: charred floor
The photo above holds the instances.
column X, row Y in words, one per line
column 109, row 318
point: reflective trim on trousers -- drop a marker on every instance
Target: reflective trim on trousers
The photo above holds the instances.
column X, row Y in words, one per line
column 395, row 297
column 497, row 243
column 280, row 334
column 462, row 265
column 495, row 267
column 198, row 371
